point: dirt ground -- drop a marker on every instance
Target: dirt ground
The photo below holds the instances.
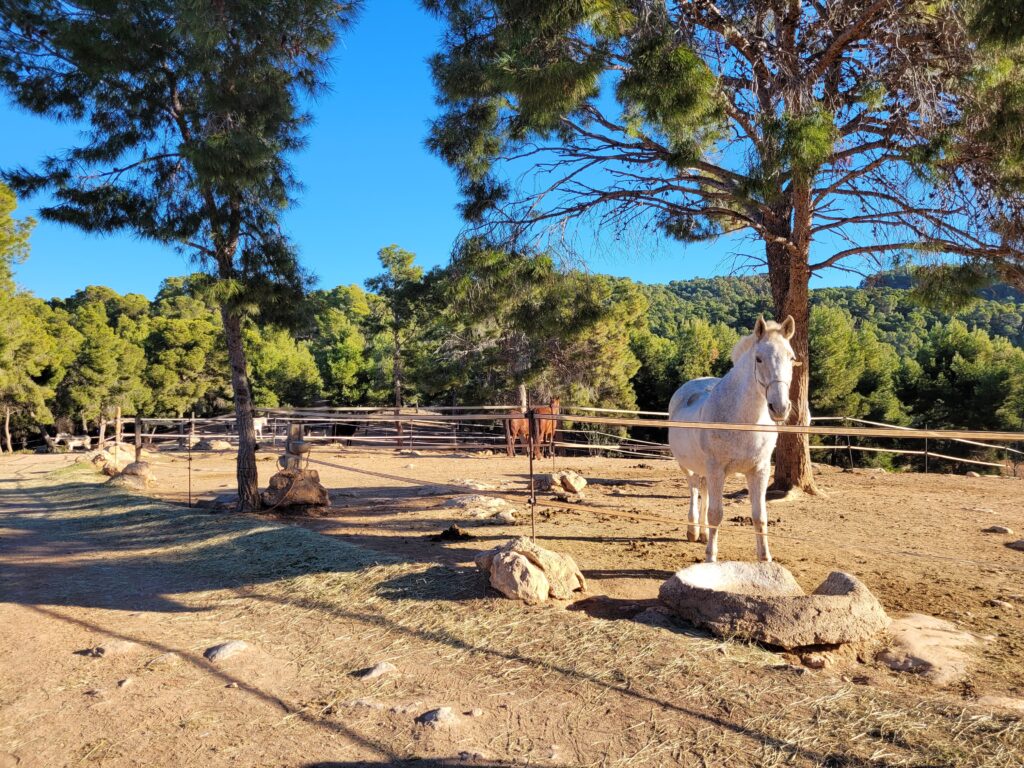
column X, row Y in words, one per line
column 588, row 683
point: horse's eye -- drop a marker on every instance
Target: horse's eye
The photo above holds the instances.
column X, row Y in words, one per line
column 759, row 359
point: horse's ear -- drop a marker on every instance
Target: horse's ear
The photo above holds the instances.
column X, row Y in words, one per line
column 760, row 327
column 788, row 327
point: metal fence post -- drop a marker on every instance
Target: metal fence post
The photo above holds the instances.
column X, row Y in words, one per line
column 530, row 443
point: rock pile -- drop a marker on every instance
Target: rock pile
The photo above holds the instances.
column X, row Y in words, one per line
column 137, row 476
column 763, row 602
column 296, row 488
column 568, row 481
column 524, row 571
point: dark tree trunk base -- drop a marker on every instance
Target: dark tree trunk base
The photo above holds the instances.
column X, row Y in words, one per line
column 247, row 475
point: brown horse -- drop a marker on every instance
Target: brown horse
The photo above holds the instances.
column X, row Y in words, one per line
column 520, row 429
column 516, row 429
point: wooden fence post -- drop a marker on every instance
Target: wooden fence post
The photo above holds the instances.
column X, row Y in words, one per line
column 138, row 438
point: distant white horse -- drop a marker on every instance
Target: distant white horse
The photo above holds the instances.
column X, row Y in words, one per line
column 755, row 391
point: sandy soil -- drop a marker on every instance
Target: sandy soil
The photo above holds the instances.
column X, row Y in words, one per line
column 320, row 598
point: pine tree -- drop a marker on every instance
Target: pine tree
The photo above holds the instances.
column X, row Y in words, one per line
column 192, row 110
column 394, row 315
column 798, row 123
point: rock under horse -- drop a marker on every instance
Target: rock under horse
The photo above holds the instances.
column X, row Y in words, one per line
column 755, row 391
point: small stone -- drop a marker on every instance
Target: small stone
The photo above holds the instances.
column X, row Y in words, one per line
column 164, row 660
column 436, row 718
column 1002, row 702
column 231, row 685
column 475, row 712
column 96, row 693
column 505, row 517
column 815, row 660
column 997, row 529
column 408, row 466
column 218, row 653
column 993, row 603
column 794, row 668
column 971, row 473
column 124, row 683
column 377, row 670
column 790, row 658
column 115, row 648
column 213, row 445
column 1018, row 545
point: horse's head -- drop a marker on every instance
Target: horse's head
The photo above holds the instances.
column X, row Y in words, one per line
column 774, row 362
column 556, row 403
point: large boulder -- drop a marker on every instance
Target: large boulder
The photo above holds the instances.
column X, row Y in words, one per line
column 763, row 602
column 296, row 488
column 567, row 480
column 136, row 476
column 515, row 576
column 519, row 576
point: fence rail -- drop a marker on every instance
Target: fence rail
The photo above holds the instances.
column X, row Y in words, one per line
column 462, row 427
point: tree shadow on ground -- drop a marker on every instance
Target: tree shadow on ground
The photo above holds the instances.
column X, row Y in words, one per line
column 135, row 558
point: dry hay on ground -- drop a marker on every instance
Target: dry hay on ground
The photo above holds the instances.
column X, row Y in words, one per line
column 83, row 564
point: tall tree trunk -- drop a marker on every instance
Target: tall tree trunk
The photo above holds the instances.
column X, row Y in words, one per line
column 7, row 429
column 248, row 479
column 789, row 276
column 397, row 369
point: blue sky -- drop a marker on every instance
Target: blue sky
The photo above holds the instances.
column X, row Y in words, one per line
column 368, row 182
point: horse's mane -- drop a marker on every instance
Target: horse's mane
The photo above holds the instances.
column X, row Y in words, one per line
column 741, row 348
column 744, row 344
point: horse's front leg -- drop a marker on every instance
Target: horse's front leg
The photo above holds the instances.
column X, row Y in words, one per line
column 757, row 486
column 716, row 484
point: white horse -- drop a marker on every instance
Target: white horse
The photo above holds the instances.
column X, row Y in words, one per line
column 755, row 391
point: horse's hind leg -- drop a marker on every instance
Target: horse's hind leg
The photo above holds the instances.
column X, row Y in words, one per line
column 693, row 516
column 703, row 510
column 757, row 485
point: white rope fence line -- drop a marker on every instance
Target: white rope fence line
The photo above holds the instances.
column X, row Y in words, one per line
column 930, row 454
column 380, row 416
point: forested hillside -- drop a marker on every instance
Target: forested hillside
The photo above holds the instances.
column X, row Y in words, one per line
column 472, row 331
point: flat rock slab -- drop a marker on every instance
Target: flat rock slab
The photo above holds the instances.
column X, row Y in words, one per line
column 928, row 646
column 764, row 603
column 225, row 651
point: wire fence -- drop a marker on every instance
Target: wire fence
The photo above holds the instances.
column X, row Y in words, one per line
column 579, row 429
column 484, row 426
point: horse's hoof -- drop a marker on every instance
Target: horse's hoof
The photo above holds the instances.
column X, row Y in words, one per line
column 703, row 538
column 693, row 536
